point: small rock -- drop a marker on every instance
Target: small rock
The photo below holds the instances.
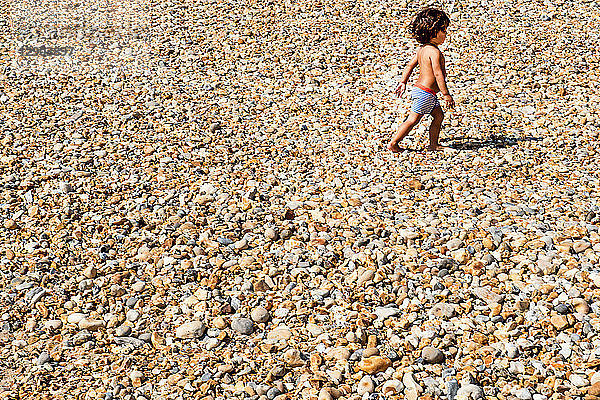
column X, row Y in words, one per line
column 245, row 326
column 260, row 315
column 10, row 224
column 65, row 187
column 339, row 354
column 75, row 318
column 365, row 277
column 374, row 364
column 386, row 312
column 443, row 310
column 392, row 387
column 579, row 380
column 512, row 351
column 90, row 272
column 454, row 244
column 431, row 355
column 91, row 324
column 132, row 315
column 581, row 306
column 123, row 330
column 365, row 385
column 53, row 324
column 43, row 358
column 271, row 234
column 469, row 391
column 594, row 390
column 293, row 358
column 190, row 330
column 524, row 394
column 560, row 322
column 414, row 184
column 280, row 333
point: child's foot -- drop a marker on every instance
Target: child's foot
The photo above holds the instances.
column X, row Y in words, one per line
column 394, row 148
column 445, row 149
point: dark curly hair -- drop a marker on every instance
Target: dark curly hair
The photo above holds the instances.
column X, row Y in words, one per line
column 427, row 23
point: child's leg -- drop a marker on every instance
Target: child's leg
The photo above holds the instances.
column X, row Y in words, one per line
column 434, row 129
column 403, row 130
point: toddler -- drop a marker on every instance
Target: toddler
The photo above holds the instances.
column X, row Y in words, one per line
column 429, row 29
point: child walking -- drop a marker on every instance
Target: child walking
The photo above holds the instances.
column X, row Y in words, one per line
column 429, row 29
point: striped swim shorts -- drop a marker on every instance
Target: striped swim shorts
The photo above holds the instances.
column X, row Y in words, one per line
column 424, row 100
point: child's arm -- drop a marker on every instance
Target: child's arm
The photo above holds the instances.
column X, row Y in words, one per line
column 406, row 74
column 440, row 77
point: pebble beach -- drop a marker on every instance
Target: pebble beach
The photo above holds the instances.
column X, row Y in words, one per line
column 197, row 202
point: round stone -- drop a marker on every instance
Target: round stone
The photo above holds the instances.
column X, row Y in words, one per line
column 431, row 355
column 260, row 314
column 244, row 326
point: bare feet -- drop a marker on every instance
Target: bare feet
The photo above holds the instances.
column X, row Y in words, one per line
column 394, row 148
column 445, row 149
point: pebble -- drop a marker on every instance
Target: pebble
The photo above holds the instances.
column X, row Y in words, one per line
column 560, row 322
column 469, row 391
column 43, row 358
column 244, row 326
column 293, row 358
column 524, row 394
column 190, row 330
column 53, row 324
column 123, row 330
column 170, row 174
column 260, row 315
column 432, row 355
column 91, row 324
column 594, row 390
column 365, row 385
column 374, row 364
column 280, row 333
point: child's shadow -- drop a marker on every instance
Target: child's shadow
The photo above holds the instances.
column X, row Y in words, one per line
column 495, row 141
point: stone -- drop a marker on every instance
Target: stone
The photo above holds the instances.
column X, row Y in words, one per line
column 469, row 391
column 524, row 394
column 91, row 324
column 90, row 272
column 339, row 354
column 74, row 318
column 432, row 355
column 392, row 387
column 132, row 315
column 123, row 330
column 443, row 310
column 579, row 380
column 365, row 385
column 594, row 390
column 512, row 351
column 244, row 326
column 374, row 364
column 292, row 357
column 53, row 324
column 280, row 333
column 414, row 184
column 581, row 306
column 365, row 277
column 43, row 358
column 386, row 312
column 560, row 322
column 190, row 330
column 260, row 315
column 10, row 224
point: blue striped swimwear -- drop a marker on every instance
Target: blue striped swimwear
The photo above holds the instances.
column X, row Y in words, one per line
column 424, row 101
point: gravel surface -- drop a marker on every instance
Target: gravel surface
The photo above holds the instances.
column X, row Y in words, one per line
column 196, row 202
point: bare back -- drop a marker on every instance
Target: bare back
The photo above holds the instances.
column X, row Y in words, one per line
column 425, row 56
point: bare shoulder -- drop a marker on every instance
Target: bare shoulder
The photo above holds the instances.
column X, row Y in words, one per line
column 431, row 51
